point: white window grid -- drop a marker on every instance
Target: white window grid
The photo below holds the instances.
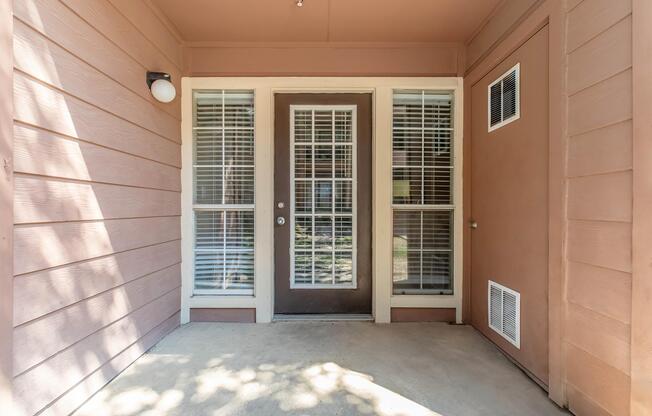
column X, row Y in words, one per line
column 333, row 214
column 422, row 207
column 223, row 206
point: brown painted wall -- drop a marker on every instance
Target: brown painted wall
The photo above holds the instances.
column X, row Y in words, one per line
column 322, row 59
column 509, row 201
column 507, row 15
column 97, row 181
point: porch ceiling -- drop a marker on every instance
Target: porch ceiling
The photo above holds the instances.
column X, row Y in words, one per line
column 326, row 20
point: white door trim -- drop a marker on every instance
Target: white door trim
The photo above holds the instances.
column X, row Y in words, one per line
column 264, row 88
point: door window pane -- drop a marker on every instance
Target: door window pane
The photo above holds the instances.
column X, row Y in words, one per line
column 323, row 156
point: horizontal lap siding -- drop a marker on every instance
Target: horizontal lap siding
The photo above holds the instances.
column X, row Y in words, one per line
column 599, row 186
column 96, row 199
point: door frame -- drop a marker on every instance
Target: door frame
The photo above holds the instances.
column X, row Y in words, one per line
column 264, row 88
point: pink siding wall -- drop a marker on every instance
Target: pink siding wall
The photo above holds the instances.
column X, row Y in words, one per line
column 599, row 186
column 6, row 203
column 96, row 199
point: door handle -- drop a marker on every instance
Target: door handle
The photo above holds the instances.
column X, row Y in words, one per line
column 280, row 220
column 473, row 224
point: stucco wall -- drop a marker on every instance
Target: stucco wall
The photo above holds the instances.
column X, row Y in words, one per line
column 96, row 200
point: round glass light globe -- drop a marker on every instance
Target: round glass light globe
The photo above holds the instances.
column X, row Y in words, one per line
column 163, row 90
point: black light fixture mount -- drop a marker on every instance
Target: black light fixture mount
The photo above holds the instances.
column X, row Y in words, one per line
column 153, row 76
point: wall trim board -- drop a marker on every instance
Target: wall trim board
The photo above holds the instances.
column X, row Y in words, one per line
column 548, row 12
column 238, row 315
column 319, row 59
column 641, row 337
column 6, row 203
column 423, row 315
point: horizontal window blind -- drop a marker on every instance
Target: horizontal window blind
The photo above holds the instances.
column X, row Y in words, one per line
column 422, row 192
column 223, row 179
column 323, row 194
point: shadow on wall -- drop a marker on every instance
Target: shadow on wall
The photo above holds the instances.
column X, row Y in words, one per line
column 97, row 251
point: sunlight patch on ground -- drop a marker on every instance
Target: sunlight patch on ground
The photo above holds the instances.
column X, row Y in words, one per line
column 223, row 392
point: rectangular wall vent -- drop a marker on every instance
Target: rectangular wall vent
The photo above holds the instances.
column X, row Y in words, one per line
column 505, row 312
column 503, row 97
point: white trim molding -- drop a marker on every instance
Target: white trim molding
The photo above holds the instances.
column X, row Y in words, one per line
column 264, row 88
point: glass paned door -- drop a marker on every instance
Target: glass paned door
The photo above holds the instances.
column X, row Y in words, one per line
column 323, row 196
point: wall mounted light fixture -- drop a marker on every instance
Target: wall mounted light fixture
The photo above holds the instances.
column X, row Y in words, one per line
column 161, row 87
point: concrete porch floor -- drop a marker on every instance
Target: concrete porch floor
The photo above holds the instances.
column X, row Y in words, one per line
column 344, row 368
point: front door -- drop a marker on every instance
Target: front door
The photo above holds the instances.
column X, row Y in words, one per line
column 509, row 201
column 322, row 190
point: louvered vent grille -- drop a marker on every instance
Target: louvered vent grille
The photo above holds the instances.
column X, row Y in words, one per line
column 223, row 163
column 505, row 312
column 422, row 171
column 504, row 99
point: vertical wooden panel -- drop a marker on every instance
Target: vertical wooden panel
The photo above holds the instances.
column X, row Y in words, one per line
column 641, row 387
column 6, row 202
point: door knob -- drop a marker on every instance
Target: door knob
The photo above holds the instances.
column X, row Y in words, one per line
column 280, row 220
column 473, row 224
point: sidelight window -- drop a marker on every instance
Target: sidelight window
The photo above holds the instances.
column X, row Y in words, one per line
column 223, row 201
column 422, row 194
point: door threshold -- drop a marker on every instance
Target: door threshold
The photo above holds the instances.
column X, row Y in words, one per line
column 335, row 317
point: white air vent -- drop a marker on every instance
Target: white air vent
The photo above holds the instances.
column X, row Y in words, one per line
column 505, row 312
column 503, row 97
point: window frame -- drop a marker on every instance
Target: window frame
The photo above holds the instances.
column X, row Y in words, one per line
column 504, row 121
column 422, row 207
column 221, row 207
column 265, row 88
